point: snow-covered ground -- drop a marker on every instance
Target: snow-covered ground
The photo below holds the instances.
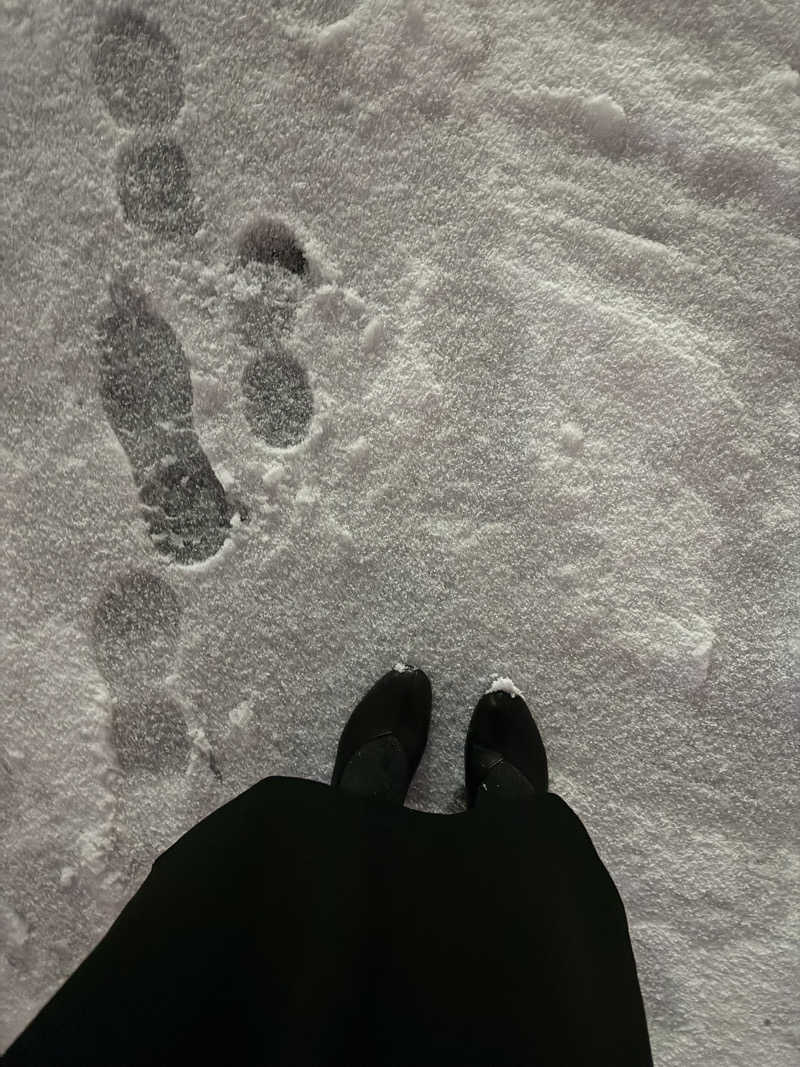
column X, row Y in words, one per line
column 521, row 401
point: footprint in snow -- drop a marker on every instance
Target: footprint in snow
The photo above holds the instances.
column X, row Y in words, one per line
column 134, row 635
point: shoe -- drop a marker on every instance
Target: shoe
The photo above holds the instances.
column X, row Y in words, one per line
column 504, row 755
column 384, row 738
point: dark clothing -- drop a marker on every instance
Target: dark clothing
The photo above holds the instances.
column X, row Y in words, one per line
column 298, row 925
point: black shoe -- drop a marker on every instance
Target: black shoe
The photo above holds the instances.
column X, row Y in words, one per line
column 384, row 738
column 504, row 755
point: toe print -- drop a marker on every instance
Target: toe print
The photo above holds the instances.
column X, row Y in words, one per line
column 271, row 240
column 136, row 69
column 147, row 397
column 272, row 271
column 154, row 187
column 135, row 629
column 278, row 399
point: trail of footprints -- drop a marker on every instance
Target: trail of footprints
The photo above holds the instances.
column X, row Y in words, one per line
column 146, row 390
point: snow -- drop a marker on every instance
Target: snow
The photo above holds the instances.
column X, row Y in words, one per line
column 530, row 412
column 505, row 685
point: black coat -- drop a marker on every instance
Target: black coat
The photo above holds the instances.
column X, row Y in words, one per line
column 299, row 925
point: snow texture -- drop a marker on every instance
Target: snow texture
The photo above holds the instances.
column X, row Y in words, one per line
column 443, row 332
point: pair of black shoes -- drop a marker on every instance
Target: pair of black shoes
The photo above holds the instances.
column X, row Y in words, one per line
column 383, row 740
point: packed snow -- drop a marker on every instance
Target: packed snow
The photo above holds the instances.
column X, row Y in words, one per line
column 440, row 333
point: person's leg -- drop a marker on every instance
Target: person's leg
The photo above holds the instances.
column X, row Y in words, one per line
column 234, row 948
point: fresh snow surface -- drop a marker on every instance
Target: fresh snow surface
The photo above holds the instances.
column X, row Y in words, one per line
column 518, row 398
